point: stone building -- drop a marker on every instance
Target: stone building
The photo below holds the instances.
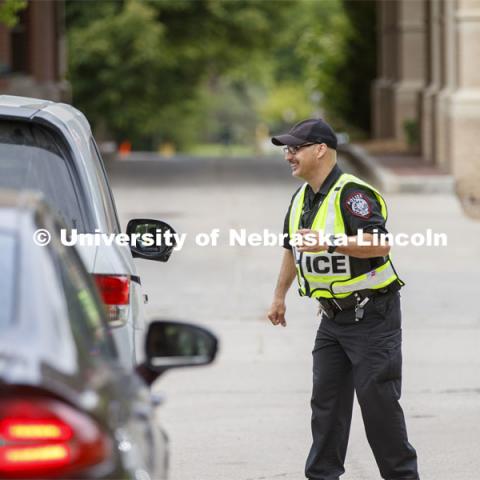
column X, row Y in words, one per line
column 32, row 54
column 429, row 79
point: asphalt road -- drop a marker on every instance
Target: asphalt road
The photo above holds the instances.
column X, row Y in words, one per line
column 247, row 416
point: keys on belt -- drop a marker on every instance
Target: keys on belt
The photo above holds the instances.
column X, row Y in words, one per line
column 357, row 301
column 331, row 306
column 360, row 309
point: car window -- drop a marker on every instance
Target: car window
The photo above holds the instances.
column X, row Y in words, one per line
column 105, row 192
column 8, row 277
column 34, row 158
column 86, row 312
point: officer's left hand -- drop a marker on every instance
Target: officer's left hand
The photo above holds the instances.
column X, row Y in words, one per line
column 313, row 237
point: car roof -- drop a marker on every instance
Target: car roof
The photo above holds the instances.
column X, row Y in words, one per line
column 28, row 108
column 75, row 130
column 24, row 102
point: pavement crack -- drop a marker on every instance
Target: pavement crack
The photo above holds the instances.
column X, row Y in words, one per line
column 460, row 390
column 268, row 477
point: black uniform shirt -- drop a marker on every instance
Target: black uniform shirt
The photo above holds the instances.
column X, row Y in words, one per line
column 360, row 210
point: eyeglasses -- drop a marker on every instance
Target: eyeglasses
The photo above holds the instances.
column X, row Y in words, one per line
column 292, row 150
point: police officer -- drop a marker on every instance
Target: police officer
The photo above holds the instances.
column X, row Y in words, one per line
column 347, row 269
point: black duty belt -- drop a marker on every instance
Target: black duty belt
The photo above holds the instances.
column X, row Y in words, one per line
column 357, row 301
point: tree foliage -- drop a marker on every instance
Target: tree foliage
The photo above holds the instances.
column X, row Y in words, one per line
column 138, row 67
column 359, row 66
column 308, row 56
column 9, row 10
column 114, row 67
column 329, row 51
column 178, row 70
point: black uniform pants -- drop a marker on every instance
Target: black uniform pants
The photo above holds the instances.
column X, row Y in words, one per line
column 364, row 357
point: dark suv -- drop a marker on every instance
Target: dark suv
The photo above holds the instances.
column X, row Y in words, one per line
column 68, row 408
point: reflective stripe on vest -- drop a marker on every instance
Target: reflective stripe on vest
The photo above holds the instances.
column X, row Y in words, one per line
column 295, row 213
column 321, row 274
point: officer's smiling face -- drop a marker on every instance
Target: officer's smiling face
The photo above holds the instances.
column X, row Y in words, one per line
column 304, row 162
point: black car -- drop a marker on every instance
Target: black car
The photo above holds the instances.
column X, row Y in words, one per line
column 68, row 409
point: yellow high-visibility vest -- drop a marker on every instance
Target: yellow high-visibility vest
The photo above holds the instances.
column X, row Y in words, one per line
column 325, row 275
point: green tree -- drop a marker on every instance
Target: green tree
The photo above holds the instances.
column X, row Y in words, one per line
column 114, row 67
column 358, row 69
column 308, row 53
column 138, row 68
column 9, row 10
column 286, row 103
column 327, row 53
column 183, row 70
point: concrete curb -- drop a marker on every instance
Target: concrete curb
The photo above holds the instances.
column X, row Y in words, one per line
column 389, row 182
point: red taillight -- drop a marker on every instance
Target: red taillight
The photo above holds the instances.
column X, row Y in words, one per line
column 14, row 429
column 45, row 437
column 115, row 293
column 115, row 290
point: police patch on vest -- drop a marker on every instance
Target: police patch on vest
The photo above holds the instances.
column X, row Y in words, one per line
column 358, row 204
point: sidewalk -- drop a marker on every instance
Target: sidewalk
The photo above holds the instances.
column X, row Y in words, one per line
column 398, row 172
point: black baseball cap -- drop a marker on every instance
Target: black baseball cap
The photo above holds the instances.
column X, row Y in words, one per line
column 314, row 130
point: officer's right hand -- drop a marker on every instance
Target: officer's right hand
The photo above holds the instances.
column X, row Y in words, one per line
column 276, row 313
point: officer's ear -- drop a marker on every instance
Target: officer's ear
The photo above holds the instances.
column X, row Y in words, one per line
column 321, row 149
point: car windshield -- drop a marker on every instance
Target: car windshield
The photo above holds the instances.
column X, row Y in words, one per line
column 7, row 277
column 33, row 158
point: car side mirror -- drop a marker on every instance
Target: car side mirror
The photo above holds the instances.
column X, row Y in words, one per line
column 155, row 240
column 171, row 344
